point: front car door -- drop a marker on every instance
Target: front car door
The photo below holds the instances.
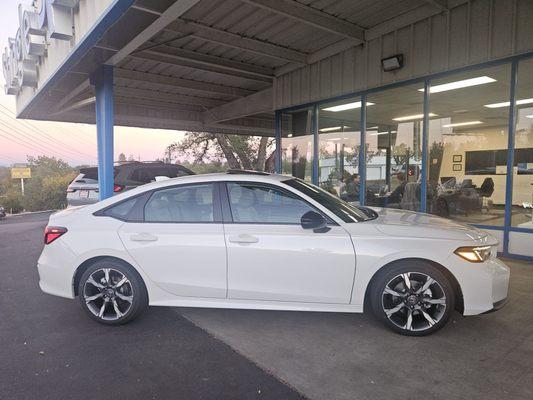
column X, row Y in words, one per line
column 271, row 257
column 180, row 245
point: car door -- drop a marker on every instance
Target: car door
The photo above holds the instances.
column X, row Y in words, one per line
column 270, row 255
column 180, row 244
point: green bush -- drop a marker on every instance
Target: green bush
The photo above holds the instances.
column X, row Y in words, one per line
column 12, row 201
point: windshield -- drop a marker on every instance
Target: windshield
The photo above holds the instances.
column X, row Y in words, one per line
column 342, row 209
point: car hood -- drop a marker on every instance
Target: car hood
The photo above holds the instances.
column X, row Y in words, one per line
column 413, row 224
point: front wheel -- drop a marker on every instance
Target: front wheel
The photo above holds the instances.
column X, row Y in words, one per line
column 412, row 297
column 112, row 292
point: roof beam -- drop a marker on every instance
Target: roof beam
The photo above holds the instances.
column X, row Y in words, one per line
column 374, row 32
column 205, row 88
column 440, row 4
column 311, row 16
column 192, row 59
column 236, row 41
column 170, row 14
column 260, row 102
column 167, row 97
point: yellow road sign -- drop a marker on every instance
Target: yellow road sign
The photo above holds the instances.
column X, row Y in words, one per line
column 20, row 173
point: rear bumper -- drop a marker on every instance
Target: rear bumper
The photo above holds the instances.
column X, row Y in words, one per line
column 55, row 271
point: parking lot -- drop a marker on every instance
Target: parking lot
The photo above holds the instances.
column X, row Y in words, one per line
column 51, row 350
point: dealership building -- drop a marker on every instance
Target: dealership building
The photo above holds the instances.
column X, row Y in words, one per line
column 431, row 96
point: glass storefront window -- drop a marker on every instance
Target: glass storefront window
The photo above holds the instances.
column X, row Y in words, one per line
column 522, row 209
column 339, row 136
column 297, row 144
column 468, row 141
column 394, row 147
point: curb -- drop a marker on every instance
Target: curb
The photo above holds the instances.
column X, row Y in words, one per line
column 29, row 213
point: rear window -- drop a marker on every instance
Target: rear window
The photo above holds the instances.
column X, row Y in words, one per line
column 147, row 175
column 92, row 173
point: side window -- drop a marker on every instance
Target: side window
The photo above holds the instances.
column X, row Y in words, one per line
column 264, row 204
column 121, row 210
column 192, row 203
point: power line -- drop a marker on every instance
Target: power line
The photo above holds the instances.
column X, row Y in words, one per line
column 48, row 144
column 35, row 143
column 53, row 141
column 29, row 145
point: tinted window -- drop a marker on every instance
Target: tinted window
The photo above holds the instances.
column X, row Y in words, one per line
column 192, row 203
column 257, row 203
column 147, row 175
column 121, row 210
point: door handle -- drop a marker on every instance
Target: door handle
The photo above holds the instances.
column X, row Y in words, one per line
column 143, row 237
column 243, row 239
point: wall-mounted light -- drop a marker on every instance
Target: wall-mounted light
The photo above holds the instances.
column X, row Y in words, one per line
column 392, row 63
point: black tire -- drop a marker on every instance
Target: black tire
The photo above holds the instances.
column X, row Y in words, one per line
column 133, row 289
column 418, row 270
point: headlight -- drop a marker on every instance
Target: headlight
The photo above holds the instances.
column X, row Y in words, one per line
column 474, row 254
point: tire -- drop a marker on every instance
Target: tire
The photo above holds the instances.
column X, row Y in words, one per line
column 392, row 301
column 114, row 297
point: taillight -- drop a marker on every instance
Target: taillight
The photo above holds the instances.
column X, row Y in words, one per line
column 117, row 188
column 51, row 233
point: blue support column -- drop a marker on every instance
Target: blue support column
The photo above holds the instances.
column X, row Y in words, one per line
column 362, row 153
column 425, row 140
column 278, row 143
column 510, row 157
column 314, row 132
column 105, row 119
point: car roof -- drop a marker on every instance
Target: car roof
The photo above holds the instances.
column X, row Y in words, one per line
column 232, row 175
column 241, row 176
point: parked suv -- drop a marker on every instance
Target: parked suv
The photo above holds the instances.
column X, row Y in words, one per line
column 84, row 188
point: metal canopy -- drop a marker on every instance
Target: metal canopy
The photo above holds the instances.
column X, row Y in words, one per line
column 209, row 65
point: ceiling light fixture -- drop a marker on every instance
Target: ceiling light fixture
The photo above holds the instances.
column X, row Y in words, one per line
column 508, row 103
column 480, row 80
column 468, row 123
column 332, row 128
column 381, row 133
column 348, row 106
column 412, row 117
column 529, row 116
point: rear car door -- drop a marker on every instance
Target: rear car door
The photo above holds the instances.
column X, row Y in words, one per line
column 271, row 257
column 180, row 244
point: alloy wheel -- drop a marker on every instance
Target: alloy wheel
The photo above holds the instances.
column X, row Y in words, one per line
column 414, row 301
column 108, row 294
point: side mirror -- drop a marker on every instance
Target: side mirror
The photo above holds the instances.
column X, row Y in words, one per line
column 315, row 221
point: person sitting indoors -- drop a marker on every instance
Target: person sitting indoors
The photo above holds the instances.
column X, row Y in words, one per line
column 352, row 188
column 396, row 195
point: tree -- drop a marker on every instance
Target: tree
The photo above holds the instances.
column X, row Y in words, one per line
column 47, row 188
column 239, row 151
column 122, row 157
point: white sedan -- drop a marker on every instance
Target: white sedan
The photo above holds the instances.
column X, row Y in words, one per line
column 269, row 242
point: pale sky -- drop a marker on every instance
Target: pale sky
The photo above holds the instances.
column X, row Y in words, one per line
column 74, row 143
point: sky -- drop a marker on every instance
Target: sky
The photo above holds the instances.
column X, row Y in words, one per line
column 74, row 143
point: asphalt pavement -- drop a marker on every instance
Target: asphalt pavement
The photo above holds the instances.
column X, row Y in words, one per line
column 49, row 349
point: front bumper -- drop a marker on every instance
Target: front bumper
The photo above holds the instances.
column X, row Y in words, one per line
column 484, row 285
column 496, row 306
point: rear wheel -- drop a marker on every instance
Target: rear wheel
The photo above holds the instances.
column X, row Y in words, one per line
column 412, row 297
column 112, row 292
